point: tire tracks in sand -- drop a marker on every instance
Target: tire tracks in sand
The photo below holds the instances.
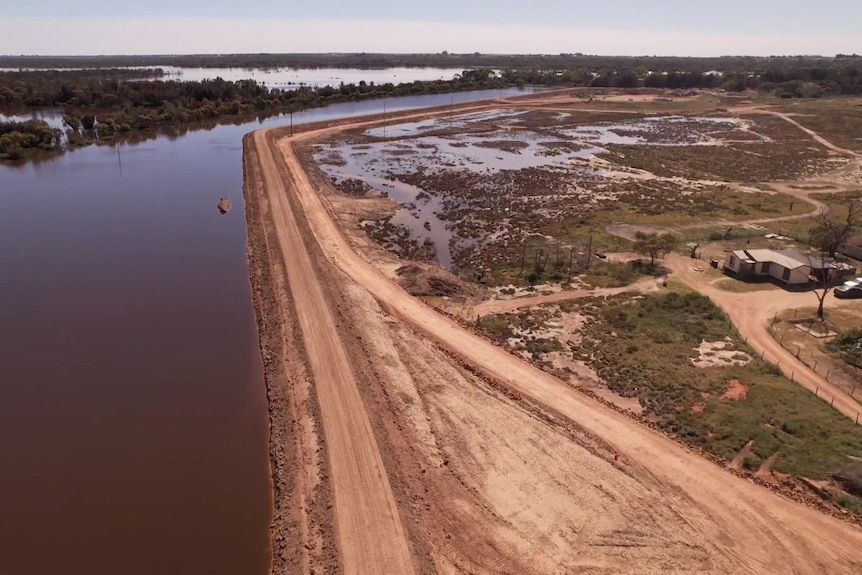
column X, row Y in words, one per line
column 370, row 536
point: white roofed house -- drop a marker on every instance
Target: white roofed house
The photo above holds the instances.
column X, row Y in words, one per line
column 789, row 268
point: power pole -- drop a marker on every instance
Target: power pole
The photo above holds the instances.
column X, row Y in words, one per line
column 119, row 158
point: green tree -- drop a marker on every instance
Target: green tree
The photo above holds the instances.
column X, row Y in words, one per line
column 654, row 245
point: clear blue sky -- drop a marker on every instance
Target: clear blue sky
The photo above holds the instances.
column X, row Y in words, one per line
column 680, row 27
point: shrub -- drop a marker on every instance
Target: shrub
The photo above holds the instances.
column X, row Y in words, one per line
column 849, row 476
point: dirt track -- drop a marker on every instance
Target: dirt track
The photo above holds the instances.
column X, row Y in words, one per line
column 369, row 532
column 508, row 472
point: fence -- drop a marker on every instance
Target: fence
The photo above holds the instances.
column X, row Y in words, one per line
column 725, row 234
column 811, row 361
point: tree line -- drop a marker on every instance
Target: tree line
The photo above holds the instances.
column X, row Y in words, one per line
column 99, row 107
column 445, row 59
column 102, row 102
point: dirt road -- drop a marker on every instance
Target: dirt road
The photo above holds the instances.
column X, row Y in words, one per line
column 496, row 306
column 370, row 536
column 729, row 524
column 820, row 139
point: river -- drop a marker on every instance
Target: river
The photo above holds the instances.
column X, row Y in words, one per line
column 133, row 420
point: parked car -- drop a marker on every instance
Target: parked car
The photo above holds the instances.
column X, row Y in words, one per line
column 850, row 289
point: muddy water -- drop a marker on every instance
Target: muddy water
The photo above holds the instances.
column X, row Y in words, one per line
column 133, row 425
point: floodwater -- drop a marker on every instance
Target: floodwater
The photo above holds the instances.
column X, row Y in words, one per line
column 295, row 77
column 133, row 421
column 481, row 143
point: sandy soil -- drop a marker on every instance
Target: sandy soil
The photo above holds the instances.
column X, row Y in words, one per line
column 496, row 306
column 450, row 455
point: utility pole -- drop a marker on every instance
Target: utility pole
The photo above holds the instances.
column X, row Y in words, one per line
column 119, row 158
column 384, row 118
column 291, row 124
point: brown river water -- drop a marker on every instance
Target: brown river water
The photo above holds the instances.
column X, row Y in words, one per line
column 133, row 422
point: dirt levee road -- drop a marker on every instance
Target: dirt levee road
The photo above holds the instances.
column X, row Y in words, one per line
column 369, row 531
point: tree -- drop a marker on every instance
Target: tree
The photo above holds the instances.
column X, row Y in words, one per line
column 826, row 276
column 654, row 245
column 829, row 234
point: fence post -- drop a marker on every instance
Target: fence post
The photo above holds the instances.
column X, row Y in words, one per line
column 857, row 418
column 817, row 392
column 794, row 312
column 762, row 354
column 815, row 366
column 832, row 403
column 792, row 373
column 828, row 371
column 797, row 352
column 852, row 391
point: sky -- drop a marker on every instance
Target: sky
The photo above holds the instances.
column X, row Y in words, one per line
column 617, row 27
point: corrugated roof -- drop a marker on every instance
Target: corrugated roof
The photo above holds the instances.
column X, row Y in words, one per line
column 790, row 259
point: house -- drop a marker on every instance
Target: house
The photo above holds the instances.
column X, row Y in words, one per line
column 789, row 268
column 852, row 247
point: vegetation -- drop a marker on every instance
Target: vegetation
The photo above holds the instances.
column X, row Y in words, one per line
column 619, row 274
column 98, row 105
column 19, row 138
column 849, row 476
column 849, row 346
column 654, row 245
column 830, row 232
column 644, row 346
column 790, row 76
